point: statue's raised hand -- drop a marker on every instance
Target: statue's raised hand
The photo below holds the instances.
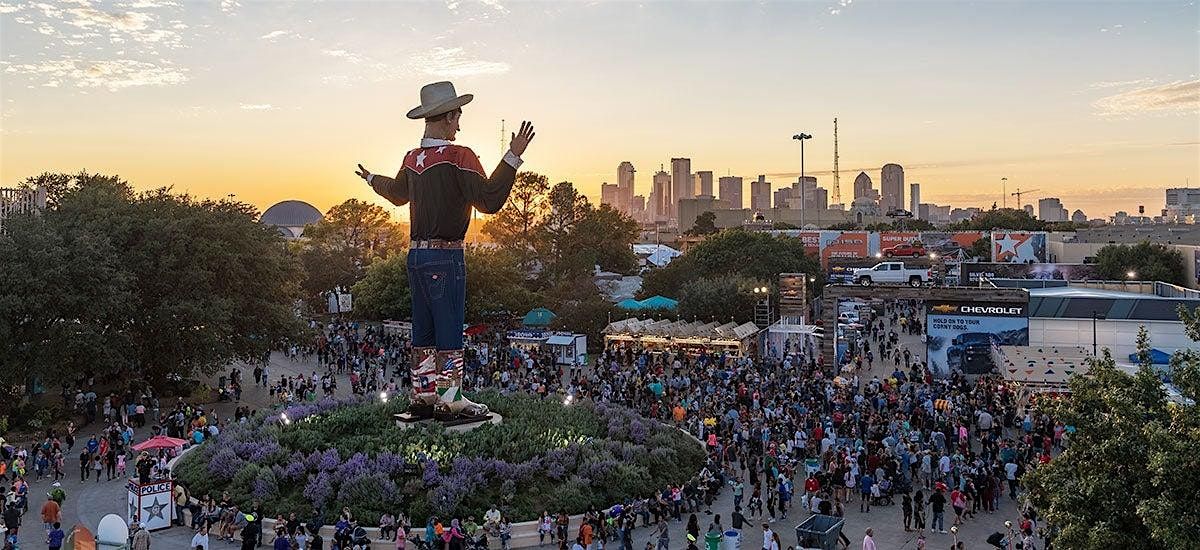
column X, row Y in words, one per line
column 520, row 140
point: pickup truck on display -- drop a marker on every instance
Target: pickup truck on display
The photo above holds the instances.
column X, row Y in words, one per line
column 905, row 249
column 892, row 273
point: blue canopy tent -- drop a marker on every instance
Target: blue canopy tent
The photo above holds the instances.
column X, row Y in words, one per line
column 653, row 302
column 538, row 317
column 1157, row 357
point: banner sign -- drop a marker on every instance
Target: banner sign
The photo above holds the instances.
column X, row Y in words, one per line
column 1019, row 247
column 960, row 335
column 970, row 273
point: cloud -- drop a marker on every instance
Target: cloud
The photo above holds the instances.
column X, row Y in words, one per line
column 140, row 26
column 496, row 5
column 144, row 4
column 9, row 8
column 344, row 54
column 113, row 74
column 230, row 6
column 276, row 34
column 1179, row 97
column 1120, row 83
column 257, row 107
column 449, row 62
column 841, row 5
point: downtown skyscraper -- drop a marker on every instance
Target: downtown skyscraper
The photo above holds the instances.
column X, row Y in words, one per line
column 682, row 184
column 891, row 188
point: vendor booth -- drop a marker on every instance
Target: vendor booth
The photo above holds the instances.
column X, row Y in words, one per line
column 568, row 348
column 732, row 339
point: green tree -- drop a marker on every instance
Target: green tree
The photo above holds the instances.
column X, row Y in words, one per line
column 1001, row 218
column 514, row 226
column 718, row 299
column 140, row 286
column 784, row 225
column 705, row 224
column 384, row 292
column 337, row 250
column 1125, row 479
column 604, row 236
column 496, row 281
column 1149, row 261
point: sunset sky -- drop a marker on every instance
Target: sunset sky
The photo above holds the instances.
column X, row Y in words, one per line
column 1095, row 103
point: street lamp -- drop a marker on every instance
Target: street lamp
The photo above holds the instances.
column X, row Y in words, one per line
column 802, row 136
column 1131, row 274
column 1095, row 316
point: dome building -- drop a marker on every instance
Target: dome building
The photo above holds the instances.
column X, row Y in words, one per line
column 290, row 217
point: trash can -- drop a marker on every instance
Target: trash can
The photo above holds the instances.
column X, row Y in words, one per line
column 712, row 540
column 819, row 531
column 733, row 540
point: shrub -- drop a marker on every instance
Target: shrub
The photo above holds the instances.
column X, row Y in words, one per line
column 545, row 455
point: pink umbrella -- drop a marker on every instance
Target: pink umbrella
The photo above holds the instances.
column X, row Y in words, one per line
column 159, row 442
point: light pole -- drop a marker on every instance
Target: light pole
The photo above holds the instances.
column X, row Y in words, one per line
column 1004, row 192
column 801, row 137
column 1095, row 316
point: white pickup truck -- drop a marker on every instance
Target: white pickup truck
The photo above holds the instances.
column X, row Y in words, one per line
column 892, row 273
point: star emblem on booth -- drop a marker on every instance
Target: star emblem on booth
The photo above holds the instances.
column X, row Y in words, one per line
column 1005, row 248
column 155, row 509
column 421, row 158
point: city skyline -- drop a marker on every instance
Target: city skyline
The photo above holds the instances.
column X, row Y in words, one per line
column 1095, row 104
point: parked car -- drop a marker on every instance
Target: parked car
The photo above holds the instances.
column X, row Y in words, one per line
column 892, row 273
column 912, row 250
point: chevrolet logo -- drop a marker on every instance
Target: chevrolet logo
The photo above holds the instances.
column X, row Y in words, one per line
column 944, row 308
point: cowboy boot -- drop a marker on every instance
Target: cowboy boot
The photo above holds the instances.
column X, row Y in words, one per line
column 424, row 376
column 450, row 396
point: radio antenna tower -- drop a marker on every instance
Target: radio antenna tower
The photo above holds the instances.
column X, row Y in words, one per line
column 837, row 182
column 503, row 138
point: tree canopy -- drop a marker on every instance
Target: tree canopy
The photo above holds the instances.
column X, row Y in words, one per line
column 1000, row 218
column 1149, row 262
column 139, row 285
column 1125, row 480
column 337, row 250
column 730, row 262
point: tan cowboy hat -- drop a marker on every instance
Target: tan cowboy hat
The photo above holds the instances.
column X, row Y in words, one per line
column 438, row 98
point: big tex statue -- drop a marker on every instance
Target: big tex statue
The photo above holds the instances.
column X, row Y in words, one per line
column 442, row 182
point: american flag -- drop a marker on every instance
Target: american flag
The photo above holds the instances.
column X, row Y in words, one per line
column 423, row 376
column 452, row 367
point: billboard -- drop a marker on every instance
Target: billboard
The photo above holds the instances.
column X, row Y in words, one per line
column 949, row 245
column 888, row 239
column 793, row 294
column 1196, row 253
column 970, row 273
column 960, row 335
column 844, row 244
column 1019, row 247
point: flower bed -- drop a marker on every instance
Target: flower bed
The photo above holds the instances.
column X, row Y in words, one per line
column 544, row 456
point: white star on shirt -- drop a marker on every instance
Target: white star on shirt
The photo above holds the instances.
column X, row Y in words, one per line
column 440, row 149
column 421, row 159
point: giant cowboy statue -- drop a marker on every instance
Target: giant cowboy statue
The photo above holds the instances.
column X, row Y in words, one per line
column 442, row 182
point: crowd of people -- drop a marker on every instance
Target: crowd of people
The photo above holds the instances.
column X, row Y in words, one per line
column 781, row 434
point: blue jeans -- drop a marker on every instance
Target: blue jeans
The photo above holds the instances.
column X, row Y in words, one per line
column 438, row 280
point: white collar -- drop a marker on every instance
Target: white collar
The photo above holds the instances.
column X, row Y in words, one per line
column 434, row 142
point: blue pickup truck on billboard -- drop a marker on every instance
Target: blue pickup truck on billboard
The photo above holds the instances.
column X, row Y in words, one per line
column 960, row 335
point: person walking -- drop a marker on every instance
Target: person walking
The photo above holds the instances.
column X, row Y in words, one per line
column 141, row 538
column 54, row 539
column 868, row 540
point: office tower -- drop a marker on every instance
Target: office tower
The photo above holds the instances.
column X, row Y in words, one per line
column 704, row 183
column 1050, row 209
column 863, row 186
column 806, row 191
column 760, row 194
column 914, row 198
column 1028, row 208
column 610, row 195
column 785, row 199
column 1182, row 204
column 731, row 191
column 891, row 188
column 682, row 185
column 661, row 196
column 625, row 177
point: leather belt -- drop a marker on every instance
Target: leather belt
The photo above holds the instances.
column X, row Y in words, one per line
column 436, row 244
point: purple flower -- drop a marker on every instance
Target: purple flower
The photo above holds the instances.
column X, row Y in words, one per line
column 319, row 489
column 330, row 460
column 225, row 464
